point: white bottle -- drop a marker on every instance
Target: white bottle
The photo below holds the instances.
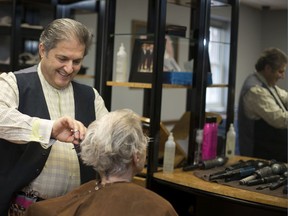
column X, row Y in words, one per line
column 230, row 142
column 169, row 154
column 121, row 64
column 199, row 140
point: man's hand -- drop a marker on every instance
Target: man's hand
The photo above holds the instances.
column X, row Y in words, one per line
column 67, row 129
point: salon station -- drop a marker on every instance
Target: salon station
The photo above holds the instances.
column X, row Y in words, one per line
column 182, row 66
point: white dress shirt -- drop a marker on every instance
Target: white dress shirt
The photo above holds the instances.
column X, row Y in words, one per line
column 61, row 172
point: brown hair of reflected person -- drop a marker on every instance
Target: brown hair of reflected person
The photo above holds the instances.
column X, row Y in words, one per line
column 273, row 57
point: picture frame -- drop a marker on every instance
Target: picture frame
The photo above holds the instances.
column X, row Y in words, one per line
column 140, row 40
column 139, row 30
column 142, row 61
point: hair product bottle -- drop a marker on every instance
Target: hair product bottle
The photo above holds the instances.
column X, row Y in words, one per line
column 230, row 142
column 121, row 64
column 199, row 140
column 169, row 154
column 210, row 139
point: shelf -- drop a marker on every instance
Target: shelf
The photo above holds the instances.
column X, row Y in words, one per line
column 31, row 27
column 187, row 3
column 148, row 35
column 51, row 1
column 84, row 76
column 175, row 38
column 149, row 85
column 31, row 31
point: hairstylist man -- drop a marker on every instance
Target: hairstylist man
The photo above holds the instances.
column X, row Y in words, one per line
column 263, row 115
column 33, row 160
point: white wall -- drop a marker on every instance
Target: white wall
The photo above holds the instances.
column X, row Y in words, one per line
column 274, row 31
column 257, row 30
column 249, row 44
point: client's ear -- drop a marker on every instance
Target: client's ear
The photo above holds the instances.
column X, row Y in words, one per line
column 137, row 163
column 136, row 158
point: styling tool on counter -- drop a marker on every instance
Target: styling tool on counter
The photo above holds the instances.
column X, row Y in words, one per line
column 207, row 164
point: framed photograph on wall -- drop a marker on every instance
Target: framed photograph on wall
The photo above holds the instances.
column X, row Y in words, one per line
column 142, row 53
column 138, row 30
column 142, row 61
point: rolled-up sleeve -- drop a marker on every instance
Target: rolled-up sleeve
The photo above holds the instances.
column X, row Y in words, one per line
column 15, row 126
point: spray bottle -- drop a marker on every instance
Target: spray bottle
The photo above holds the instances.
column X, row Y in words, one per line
column 169, row 154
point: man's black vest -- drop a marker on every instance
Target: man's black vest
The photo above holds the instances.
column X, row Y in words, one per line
column 258, row 138
column 20, row 164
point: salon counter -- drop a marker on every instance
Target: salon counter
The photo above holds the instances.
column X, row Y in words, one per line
column 191, row 195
